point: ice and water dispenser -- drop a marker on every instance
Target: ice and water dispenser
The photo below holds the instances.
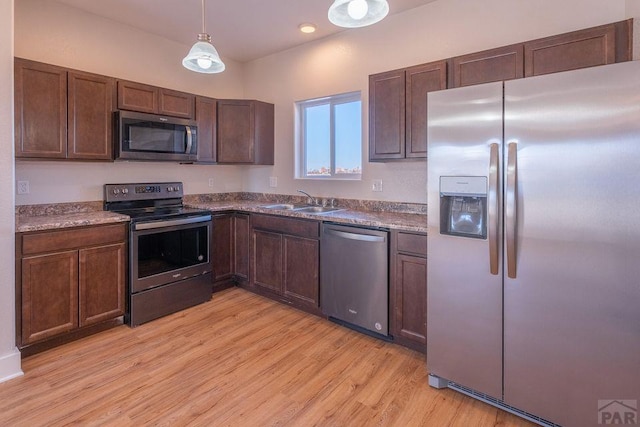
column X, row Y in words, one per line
column 463, row 206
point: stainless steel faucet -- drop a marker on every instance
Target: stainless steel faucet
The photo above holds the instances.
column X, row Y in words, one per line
column 313, row 199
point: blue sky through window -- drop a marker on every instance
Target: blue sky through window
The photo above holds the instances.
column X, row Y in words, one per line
column 346, row 144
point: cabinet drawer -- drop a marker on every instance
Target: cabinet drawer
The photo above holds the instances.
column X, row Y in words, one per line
column 72, row 238
column 412, row 243
column 296, row 227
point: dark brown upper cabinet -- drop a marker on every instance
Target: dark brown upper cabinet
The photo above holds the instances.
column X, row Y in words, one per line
column 61, row 113
column 601, row 45
column 155, row 100
column 398, row 110
column 245, row 132
column 206, row 112
column 493, row 65
column 90, row 114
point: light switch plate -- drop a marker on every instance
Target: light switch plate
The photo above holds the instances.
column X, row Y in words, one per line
column 377, row 185
column 273, row 181
column 212, row 182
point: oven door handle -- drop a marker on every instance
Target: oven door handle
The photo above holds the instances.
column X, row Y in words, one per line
column 170, row 223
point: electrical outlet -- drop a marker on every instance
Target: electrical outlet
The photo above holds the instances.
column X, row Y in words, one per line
column 212, row 182
column 23, row 187
column 377, row 185
column 273, row 181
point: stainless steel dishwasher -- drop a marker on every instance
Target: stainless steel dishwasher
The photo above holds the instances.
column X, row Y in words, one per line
column 354, row 277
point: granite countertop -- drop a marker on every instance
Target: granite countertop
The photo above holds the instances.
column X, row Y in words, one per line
column 415, row 222
column 53, row 221
column 64, row 215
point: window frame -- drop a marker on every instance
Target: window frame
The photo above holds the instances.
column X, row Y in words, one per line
column 301, row 141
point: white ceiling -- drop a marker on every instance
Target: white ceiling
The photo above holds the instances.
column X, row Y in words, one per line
column 241, row 30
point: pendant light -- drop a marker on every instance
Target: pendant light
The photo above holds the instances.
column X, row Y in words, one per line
column 203, row 57
column 357, row 13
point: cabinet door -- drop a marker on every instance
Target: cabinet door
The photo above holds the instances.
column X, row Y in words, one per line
column 102, row 283
column 387, row 115
column 90, row 110
column 177, row 104
column 301, row 270
column 236, row 131
column 241, row 246
column 494, row 65
column 267, row 260
column 419, row 81
column 206, row 109
column 411, row 298
column 49, row 295
column 222, row 246
column 137, row 97
column 40, row 110
column 578, row 49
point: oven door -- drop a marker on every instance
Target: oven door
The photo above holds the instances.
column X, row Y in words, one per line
column 168, row 251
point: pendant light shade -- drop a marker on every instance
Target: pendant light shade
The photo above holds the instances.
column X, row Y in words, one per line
column 203, row 57
column 357, row 13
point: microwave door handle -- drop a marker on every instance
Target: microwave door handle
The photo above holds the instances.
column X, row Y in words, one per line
column 189, row 140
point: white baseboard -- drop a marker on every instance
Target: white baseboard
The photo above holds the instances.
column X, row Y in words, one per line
column 10, row 366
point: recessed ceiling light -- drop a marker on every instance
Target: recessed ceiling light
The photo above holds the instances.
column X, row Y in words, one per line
column 307, row 28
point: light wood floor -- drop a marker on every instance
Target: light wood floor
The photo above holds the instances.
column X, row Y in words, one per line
column 239, row 360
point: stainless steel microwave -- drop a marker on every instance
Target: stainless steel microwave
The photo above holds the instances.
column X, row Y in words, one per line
column 157, row 138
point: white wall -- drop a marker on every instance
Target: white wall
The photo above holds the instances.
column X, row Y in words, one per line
column 342, row 63
column 633, row 11
column 54, row 33
column 9, row 356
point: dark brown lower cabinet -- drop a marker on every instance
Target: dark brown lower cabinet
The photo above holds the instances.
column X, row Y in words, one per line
column 285, row 260
column 222, row 249
column 68, row 280
column 230, row 250
column 409, row 289
column 241, row 247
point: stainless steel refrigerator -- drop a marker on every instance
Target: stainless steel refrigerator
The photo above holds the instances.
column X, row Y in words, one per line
column 534, row 244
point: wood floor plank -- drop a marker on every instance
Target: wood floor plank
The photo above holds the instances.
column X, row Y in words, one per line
column 238, row 360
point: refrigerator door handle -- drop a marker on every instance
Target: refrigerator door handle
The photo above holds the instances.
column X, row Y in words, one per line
column 493, row 208
column 510, row 207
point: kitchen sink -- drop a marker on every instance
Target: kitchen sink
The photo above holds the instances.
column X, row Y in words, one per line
column 317, row 209
column 283, row 206
column 301, row 208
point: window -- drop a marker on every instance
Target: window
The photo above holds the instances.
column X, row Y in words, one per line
column 329, row 137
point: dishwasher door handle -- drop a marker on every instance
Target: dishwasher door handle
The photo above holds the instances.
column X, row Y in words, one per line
column 354, row 236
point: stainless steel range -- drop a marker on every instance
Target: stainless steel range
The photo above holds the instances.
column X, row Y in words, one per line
column 169, row 249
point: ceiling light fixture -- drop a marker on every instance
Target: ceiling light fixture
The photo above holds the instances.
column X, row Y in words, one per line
column 203, row 57
column 307, row 28
column 357, row 13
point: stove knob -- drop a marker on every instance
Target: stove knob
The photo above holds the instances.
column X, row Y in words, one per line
column 116, row 191
column 169, row 189
column 125, row 191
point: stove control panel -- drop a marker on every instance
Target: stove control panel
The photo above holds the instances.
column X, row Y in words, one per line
column 142, row 191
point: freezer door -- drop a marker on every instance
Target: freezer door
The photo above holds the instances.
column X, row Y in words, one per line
column 464, row 296
column 572, row 312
